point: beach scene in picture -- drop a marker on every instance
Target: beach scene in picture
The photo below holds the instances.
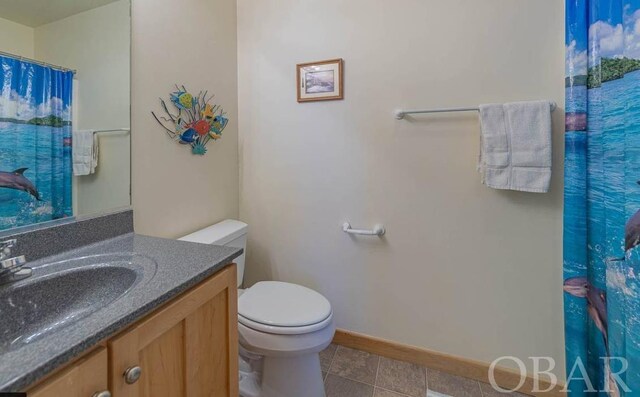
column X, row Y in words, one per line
column 602, row 190
column 35, row 144
column 321, row 81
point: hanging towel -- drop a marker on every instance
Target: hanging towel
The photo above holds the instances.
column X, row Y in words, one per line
column 515, row 149
column 85, row 152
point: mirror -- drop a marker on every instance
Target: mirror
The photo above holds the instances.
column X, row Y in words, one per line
column 64, row 109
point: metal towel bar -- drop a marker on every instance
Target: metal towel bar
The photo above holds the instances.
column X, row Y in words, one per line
column 111, row 131
column 400, row 113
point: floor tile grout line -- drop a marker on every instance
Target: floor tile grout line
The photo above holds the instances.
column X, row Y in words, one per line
column 353, row 380
column 333, row 357
column 426, row 381
column 391, row 391
column 375, row 380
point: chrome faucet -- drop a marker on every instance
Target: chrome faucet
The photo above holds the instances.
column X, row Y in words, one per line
column 11, row 269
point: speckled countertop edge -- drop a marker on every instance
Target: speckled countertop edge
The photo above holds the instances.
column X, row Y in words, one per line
column 181, row 265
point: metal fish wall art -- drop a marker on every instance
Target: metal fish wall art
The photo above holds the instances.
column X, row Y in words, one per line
column 194, row 122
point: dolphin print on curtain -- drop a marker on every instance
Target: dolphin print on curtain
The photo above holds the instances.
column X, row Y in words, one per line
column 35, row 143
column 602, row 197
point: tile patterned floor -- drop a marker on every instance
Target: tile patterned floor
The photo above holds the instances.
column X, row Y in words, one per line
column 353, row 373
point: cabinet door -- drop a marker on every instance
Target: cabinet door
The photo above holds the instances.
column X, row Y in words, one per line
column 187, row 349
column 85, row 378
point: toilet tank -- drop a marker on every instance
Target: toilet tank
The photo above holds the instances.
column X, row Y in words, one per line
column 230, row 233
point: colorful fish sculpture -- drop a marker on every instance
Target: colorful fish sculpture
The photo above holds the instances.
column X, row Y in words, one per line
column 208, row 113
column 196, row 123
column 201, row 127
column 182, row 100
column 189, row 136
column 218, row 124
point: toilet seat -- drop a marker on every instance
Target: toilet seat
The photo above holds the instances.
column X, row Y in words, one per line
column 272, row 329
column 283, row 308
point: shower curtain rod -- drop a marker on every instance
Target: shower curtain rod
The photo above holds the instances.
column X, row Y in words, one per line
column 21, row 58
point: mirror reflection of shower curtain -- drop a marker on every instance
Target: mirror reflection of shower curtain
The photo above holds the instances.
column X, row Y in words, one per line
column 35, row 143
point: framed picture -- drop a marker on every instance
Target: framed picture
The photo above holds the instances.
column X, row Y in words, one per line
column 320, row 81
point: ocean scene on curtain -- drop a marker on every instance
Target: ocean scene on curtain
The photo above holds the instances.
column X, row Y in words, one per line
column 35, row 143
column 602, row 197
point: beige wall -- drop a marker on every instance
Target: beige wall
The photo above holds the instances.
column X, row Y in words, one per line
column 97, row 44
column 16, row 38
column 463, row 269
column 191, row 43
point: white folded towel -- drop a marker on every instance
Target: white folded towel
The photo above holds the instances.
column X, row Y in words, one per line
column 85, row 152
column 515, row 149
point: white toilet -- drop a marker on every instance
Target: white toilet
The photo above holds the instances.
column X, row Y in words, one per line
column 282, row 327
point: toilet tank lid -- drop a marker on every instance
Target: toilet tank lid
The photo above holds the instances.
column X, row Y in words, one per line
column 218, row 234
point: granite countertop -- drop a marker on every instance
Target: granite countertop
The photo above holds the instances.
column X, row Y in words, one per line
column 178, row 266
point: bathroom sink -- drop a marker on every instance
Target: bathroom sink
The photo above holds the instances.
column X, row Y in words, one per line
column 61, row 293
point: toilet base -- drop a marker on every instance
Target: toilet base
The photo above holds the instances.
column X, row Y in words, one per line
column 282, row 365
column 292, row 376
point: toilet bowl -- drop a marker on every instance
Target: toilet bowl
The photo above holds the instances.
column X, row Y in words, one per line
column 288, row 325
column 282, row 327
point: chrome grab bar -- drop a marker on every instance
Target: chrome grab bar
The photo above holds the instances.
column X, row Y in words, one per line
column 378, row 230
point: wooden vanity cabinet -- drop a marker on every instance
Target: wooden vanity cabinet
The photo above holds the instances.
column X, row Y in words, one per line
column 85, row 378
column 187, row 348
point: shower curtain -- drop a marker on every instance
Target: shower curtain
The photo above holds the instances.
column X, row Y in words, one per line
column 35, row 143
column 602, row 197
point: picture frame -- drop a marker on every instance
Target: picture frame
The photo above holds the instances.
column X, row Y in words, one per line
column 320, row 81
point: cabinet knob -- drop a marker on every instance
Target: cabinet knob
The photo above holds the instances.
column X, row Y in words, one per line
column 132, row 374
column 105, row 393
